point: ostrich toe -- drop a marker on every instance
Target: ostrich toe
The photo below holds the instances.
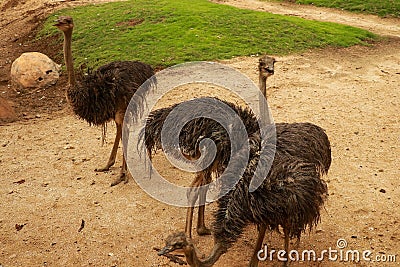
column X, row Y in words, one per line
column 121, row 178
column 203, row 231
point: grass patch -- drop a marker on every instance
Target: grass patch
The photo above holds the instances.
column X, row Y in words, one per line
column 383, row 8
column 168, row 32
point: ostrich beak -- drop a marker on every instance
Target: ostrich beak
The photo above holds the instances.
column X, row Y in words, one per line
column 165, row 250
column 58, row 23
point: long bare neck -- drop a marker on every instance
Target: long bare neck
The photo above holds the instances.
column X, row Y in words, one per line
column 263, row 85
column 263, row 100
column 69, row 63
column 194, row 261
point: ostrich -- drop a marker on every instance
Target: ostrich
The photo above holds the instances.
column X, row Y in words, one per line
column 204, row 128
column 308, row 140
column 189, row 138
column 103, row 95
column 290, row 197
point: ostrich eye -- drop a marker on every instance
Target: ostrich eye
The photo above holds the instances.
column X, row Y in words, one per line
column 178, row 244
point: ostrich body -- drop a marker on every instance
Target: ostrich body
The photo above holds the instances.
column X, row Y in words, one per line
column 103, row 95
column 290, row 197
column 189, row 138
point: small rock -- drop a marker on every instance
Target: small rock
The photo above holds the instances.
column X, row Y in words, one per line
column 353, row 236
column 69, row 147
column 7, row 113
column 19, row 227
column 382, row 190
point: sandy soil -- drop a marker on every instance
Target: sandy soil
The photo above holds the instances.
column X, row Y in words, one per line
column 47, row 157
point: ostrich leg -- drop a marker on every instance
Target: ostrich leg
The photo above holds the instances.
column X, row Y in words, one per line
column 113, row 155
column 122, row 175
column 261, row 233
column 192, row 195
column 201, row 226
column 197, row 193
column 286, row 234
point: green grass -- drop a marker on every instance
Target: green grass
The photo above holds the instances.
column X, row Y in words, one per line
column 176, row 31
column 383, row 8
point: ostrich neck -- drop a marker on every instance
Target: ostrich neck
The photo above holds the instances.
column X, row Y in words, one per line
column 263, row 85
column 194, row 261
column 262, row 100
column 69, row 63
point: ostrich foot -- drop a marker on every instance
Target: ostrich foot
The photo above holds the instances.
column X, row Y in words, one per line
column 202, row 230
column 121, row 178
column 104, row 169
column 107, row 167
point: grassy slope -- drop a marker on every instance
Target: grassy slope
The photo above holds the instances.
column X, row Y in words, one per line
column 167, row 32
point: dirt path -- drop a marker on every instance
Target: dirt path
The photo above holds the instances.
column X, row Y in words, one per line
column 381, row 26
column 47, row 183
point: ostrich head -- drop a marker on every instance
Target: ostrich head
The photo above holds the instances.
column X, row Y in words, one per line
column 64, row 23
column 265, row 69
column 173, row 242
column 266, row 66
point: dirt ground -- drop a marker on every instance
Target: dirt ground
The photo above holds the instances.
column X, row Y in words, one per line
column 47, row 156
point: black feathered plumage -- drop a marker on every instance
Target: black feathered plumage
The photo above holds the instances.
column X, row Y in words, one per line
column 290, row 196
column 195, row 130
column 98, row 96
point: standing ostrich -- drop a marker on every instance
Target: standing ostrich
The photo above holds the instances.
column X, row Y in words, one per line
column 290, row 197
column 103, row 95
column 307, row 140
column 189, row 138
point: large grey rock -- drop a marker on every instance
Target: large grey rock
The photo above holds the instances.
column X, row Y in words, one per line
column 34, row 70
